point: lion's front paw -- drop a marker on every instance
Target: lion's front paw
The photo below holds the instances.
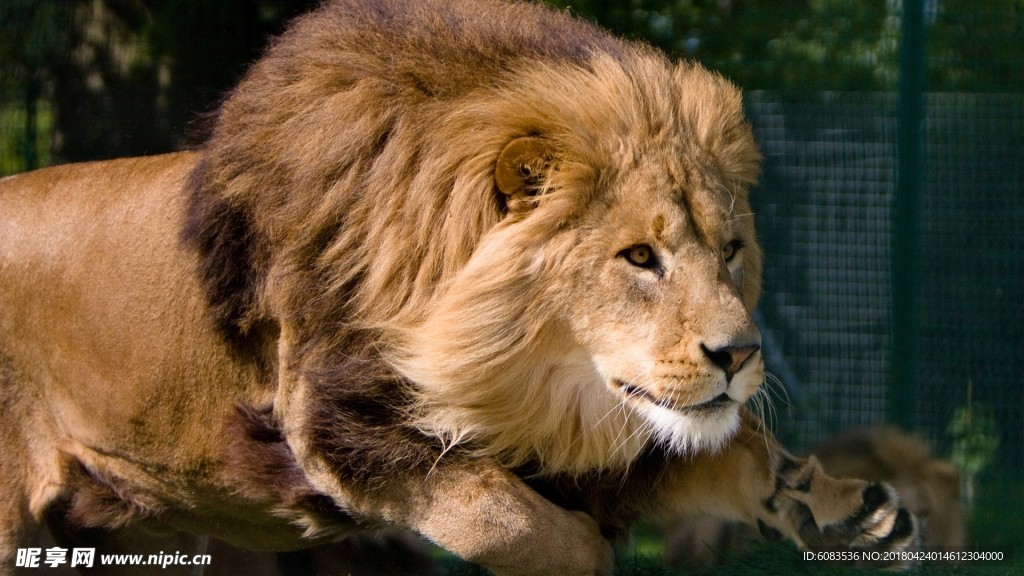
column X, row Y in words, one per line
column 820, row 513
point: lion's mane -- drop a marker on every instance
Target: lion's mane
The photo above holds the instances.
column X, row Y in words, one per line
column 343, row 199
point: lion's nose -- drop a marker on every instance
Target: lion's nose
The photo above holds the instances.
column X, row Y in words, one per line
column 730, row 358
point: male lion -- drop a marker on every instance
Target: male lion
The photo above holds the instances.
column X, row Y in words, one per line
column 472, row 268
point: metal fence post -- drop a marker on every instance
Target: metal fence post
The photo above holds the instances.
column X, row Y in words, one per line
column 906, row 218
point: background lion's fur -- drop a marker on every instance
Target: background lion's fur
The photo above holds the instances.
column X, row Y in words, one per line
column 350, row 178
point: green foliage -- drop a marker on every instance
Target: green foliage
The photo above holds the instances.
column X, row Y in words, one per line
column 978, row 46
column 13, row 148
column 826, row 44
column 172, row 59
column 788, row 44
column 996, row 524
column 769, row 559
column 975, row 437
column 996, row 520
column 33, row 34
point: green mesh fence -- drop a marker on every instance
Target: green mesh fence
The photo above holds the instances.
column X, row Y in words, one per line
column 823, row 216
column 972, row 301
column 824, row 210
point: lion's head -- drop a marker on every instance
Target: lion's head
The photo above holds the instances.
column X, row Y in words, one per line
column 612, row 302
column 550, row 240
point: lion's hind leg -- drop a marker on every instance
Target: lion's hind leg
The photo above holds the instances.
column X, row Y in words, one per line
column 18, row 528
column 18, row 531
column 13, row 502
column 35, row 493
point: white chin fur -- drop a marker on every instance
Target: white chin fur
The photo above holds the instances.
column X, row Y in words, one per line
column 692, row 433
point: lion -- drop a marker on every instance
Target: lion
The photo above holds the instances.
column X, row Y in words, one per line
column 475, row 269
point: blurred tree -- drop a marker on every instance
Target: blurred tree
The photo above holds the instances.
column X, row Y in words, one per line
column 126, row 77
column 801, row 45
column 33, row 33
column 977, row 47
column 104, row 87
column 207, row 46
column 787, row 44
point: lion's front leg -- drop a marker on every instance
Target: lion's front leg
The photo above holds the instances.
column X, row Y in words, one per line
column 354, row 445
column 755, row 480
column 486, row 515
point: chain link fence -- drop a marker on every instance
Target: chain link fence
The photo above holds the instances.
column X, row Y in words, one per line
column 824, row 210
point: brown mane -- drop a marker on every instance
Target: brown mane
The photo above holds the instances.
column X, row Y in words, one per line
column 304, row 140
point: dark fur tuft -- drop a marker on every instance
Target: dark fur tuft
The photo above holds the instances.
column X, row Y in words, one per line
column 615, row 500
column 232, row 258
column 100, row 501
column 360, row 426
column 260, row 465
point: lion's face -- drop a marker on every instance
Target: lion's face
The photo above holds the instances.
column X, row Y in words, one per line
column 611, row 303
column 654, row 291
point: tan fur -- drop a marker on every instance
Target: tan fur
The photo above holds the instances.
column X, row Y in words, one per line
column 345, row 309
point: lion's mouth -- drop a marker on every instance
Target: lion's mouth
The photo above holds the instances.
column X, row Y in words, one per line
column 633, row 392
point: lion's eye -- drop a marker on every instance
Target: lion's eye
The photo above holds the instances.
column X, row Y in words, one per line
column 641, row 256
column 730, row 249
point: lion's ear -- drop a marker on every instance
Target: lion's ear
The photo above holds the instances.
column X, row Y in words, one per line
column 522, row 165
